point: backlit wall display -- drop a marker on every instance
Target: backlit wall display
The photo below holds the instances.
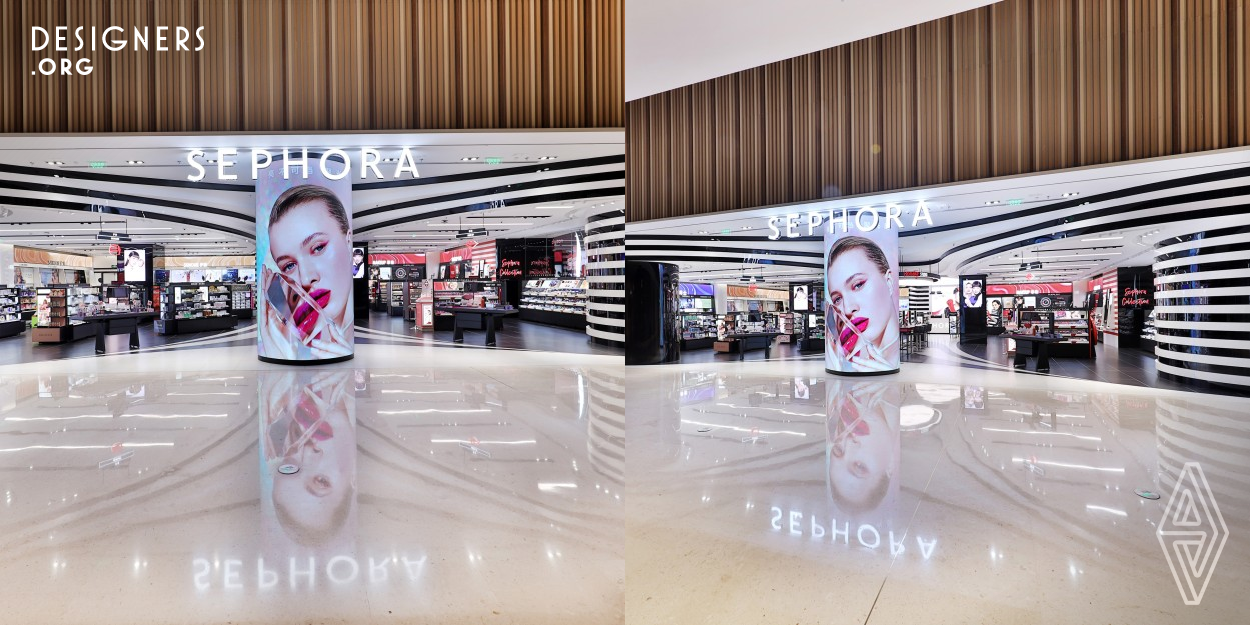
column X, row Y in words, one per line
column 134, row 265
column 304, row 265
column 973, row 293
column 861, row 301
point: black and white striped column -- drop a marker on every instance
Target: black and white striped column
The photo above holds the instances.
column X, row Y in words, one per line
column 1202, row 307
column 605, row 275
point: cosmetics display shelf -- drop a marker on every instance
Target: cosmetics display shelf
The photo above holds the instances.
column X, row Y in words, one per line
column 698, row 329
column 242, row 300
column 58, row 312
column 813, row 337
column 554, row 302
column 1148, row 333
column 26, row 301
column 196, row 307
column 11, row 323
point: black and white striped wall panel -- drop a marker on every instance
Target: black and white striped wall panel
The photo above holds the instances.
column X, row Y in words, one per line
column 605, row 274
column 1202, row 305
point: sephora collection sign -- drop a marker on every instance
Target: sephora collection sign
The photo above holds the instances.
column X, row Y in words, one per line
column 304, row 266
column 861, row 302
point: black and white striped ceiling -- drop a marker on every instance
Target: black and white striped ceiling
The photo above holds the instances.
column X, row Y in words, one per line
column 1076, row 222
column 57, row 191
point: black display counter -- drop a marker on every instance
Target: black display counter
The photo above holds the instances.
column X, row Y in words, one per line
column 702, row 343
column 12, row 328
column 469, row 318
column 573, row 321
column 190, row 326
column 754, row 340
column 118, row 323
column 1036, row 346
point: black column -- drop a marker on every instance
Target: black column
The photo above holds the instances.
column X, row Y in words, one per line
column 652, row 326
column 972, row 326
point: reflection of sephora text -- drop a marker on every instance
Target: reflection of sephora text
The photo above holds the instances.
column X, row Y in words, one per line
column 797, row 524
column 305, row 573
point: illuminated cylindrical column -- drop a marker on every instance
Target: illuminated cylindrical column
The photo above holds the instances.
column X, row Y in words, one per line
column 862, row 334
column 304, row 260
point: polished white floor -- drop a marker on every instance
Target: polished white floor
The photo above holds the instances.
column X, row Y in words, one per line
column 440, row 484
column 438, row 488
column 969, row 496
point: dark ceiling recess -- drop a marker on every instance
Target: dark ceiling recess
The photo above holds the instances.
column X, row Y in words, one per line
column 1015, row 87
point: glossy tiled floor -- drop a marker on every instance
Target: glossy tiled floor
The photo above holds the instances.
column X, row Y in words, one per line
column 773, row 493
column 443, row 484
column 150, row 492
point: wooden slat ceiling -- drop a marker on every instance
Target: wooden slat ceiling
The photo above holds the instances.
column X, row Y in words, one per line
column 1019, row 86
column 276, row 65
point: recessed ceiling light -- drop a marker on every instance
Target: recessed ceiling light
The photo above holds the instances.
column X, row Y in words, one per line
column 56, row 162
column 134, row 162
column 746, row 227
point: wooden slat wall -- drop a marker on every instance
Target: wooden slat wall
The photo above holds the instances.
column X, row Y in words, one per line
column 1018, row 86
column 274, row 65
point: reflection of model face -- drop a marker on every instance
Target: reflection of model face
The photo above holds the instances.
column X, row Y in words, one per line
column 308, row 246
column 861, row 457
column 314, row 497
column 864, row 295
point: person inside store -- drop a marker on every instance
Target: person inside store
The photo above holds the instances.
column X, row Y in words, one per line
column 308, row 427
column 862, row 447
column 309, row 294
column 861, row 307
column 973, row 299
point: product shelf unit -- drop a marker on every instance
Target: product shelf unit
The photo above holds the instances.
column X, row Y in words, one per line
column 698, row 315
column 196, row 307
column 11, row 323
column 58, row 312
column 554, row 302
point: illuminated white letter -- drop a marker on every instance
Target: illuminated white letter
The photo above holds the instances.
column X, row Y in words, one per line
column 792, row 222
column 892, row 211
column 223, row 162
column 406, row 164
column 256, row 165
column 773, row 232
column 796, row 523
column 813, row 220
column 842, row 219
column 818, row 530
column 776, row 518
column 286, row 164
column 347, row 170
column 199, row 169
column 367, row 163
column 859, row 219
column 922, row 214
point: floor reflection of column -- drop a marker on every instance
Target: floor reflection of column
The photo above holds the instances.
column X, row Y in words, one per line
column 606, row 441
